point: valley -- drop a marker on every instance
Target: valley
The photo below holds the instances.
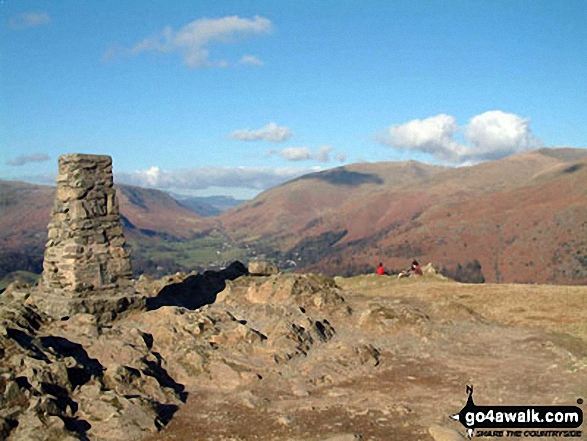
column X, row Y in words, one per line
column 518, row 219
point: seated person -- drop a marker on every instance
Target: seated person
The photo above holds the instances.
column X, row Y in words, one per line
column 415, row 268
column 381, row 270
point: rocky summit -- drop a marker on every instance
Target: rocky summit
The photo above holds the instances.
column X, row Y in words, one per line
column 227, row 355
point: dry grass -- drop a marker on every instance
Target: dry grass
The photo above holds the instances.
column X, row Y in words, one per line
column 555, row 308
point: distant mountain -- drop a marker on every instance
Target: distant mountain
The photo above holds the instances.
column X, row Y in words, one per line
column 321, row 202
column 154, row 212
column 207, row 206
column 522, row 218
column 518, row 219
column 147, row 215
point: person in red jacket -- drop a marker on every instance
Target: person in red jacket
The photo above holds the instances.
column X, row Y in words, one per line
column 381, row 270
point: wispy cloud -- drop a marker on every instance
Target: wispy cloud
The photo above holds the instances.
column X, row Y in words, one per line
column 27, row 20
column 322, row 154
column 490, row 135
column 250, row 60
column 256, row 178
column 295, row 153
column 271, row 132
column 22, row 160
column 194, row 40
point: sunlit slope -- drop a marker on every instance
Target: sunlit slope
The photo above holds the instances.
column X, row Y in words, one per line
column 522, row 217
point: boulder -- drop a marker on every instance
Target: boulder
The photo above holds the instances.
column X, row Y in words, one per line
column 263, row 268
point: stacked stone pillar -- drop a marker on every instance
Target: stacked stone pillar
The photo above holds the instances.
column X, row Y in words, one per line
column 86, row 266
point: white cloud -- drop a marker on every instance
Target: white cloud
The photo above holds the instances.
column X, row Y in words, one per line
column 151, row 177
column 271, row 132
column 491, row 135
column 27, row 20
column 496, row 134
column 296, row 153
column 257, row 178
column 22, row 160
column 434, row 135
column 194, row 40
column 323, row 153
column 250, row 60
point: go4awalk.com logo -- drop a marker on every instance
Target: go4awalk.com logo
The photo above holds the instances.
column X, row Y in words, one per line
column 520, row 421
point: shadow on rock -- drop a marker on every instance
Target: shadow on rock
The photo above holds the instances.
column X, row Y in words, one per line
column 159, row 373
column 79, row 427
column 27, row 342
column 196, row 291
column 86, row 367
column 165, row 413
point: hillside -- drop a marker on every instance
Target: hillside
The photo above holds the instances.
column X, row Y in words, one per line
column 523, row 218
column 320, row 202
column 154, row 212
column 149, row 217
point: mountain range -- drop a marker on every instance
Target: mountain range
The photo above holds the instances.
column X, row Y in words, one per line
column 522, row 218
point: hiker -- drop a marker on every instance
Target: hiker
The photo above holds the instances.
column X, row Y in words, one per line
column 415, row 269
column 381, row 270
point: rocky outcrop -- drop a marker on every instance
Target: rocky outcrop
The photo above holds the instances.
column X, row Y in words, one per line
column 263, row 268
column 82, row 378
column 86, row 266
column 294, row 312
column 76, row 380
column 288, row 356
column 195, row 290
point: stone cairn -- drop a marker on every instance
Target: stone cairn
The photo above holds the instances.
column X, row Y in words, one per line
column 86, row 267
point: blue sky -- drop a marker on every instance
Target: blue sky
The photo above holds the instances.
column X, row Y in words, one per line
column 232, row 97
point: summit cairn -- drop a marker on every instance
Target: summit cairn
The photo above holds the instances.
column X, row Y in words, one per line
column 86, row 267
